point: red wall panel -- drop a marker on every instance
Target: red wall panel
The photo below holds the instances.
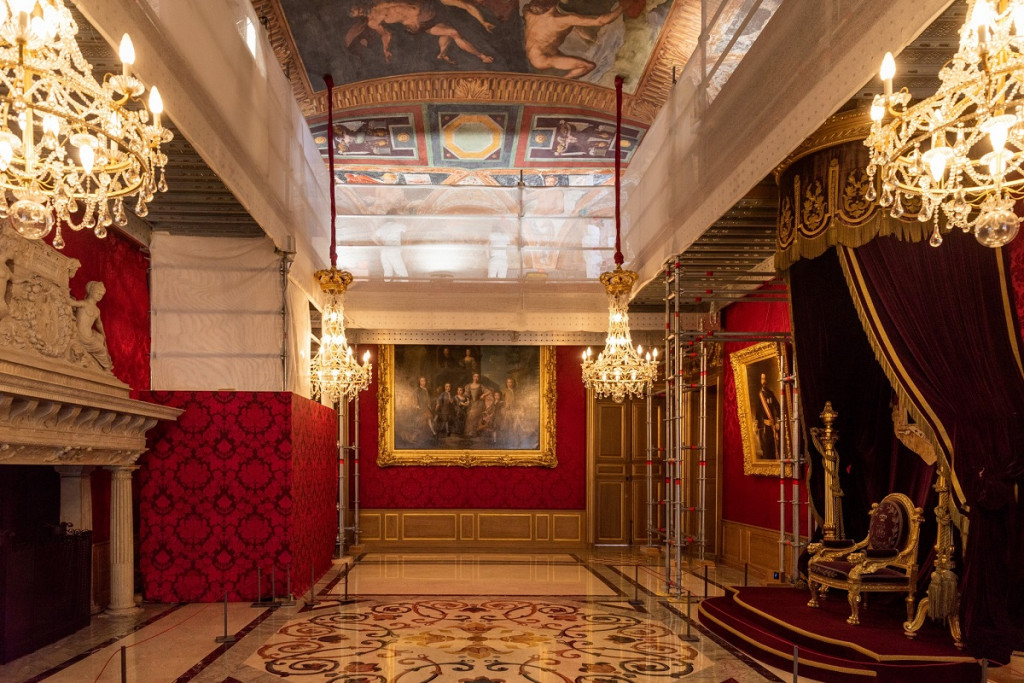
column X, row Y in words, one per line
column 314, row 491
column 745, row 498
column 219, row 492
column 560, row 488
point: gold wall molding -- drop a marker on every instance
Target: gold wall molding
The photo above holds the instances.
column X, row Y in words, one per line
column 482, row 528
column 754, row 546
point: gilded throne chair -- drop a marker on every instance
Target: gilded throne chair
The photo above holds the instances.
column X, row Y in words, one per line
column 884, row 562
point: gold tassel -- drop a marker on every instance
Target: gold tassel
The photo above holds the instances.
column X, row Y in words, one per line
column 943, row 600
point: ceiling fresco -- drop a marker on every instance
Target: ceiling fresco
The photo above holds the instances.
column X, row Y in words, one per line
column 534, row 90
column 483, row 92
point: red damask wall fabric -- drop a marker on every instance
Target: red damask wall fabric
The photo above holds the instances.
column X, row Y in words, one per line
column 235, row 485
column 561, row 488
column 745, row 498
column 314, row 491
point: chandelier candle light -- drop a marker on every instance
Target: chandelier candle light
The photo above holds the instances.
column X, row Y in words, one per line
column 959, row 153
column 620, row 371
column 72, row 150
column 335, row 374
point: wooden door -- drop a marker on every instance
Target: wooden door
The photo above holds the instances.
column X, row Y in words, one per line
column 619, row 448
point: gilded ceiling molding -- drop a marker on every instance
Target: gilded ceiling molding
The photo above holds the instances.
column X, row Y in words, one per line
column 480, row 86
column 676, row 43
column 281, row 40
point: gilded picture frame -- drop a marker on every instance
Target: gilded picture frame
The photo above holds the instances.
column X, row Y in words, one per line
column 759, row 407
column 466, row 406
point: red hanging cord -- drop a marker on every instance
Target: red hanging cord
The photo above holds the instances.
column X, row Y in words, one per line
column 618, row 168
column 330, row 163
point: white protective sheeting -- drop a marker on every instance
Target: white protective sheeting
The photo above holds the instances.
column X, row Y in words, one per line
column 299, row 338
column 217, row 319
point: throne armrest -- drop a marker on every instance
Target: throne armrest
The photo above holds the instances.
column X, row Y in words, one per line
column 880, row 554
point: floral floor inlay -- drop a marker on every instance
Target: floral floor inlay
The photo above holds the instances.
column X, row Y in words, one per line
column 476, row 640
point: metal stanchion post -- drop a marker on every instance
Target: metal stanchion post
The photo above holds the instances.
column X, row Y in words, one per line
column 273, row 583
column 124, row 664
column 260, row 602
column 705, row 581
column 796, row 664
column 346, row 600
column 289, row 599
column 689, row 637
column 225, row 638
column 746, row 569
column 312, row 585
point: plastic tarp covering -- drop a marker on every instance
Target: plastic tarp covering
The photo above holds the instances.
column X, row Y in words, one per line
column 299, row 339
column 217, row 319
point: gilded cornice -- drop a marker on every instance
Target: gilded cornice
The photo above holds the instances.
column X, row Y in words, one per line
column 847, row 126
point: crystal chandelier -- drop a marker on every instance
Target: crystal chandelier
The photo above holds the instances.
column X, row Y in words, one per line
column 619, row 371
column 958, row 154
column 72, row 150
column 335, row 374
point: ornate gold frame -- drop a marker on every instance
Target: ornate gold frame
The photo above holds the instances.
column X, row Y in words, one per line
column 388, row 455
column 741, row 362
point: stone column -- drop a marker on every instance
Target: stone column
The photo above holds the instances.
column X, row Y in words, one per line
column 122, row 551
column 76, row 506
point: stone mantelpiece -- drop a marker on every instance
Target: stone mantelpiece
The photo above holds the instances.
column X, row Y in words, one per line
column 60, row 403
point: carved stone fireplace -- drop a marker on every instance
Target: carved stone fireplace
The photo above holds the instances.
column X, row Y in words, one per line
column 60, row 404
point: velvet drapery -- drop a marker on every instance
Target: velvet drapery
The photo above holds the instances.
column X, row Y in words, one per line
column 836, row 364
column 942, row 324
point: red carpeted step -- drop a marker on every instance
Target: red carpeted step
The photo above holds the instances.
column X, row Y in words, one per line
column 721, row 616
column 768, row 622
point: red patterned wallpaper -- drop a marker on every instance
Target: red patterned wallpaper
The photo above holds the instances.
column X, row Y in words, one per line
column 561, row 488
column 219, row 496
column 314, row 523
column 746, row 499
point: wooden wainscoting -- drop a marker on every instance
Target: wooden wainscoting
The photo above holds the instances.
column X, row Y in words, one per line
column 532, row 529
column 753, row 545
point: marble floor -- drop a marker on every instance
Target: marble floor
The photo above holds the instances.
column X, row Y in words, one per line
column 417, row 617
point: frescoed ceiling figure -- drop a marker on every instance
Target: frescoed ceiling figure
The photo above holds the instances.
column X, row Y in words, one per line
column 590, row 40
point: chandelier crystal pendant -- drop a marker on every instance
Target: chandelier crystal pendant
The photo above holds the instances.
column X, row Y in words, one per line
column 619, row 371
column 335, row 374
column 72, row 150
column 955, row 158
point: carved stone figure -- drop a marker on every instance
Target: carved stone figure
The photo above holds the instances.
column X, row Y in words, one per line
column 89, row 325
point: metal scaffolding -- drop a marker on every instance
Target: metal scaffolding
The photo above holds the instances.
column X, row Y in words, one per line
column 692, row 287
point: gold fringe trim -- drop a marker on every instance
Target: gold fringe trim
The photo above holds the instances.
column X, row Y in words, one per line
column 840, row 233
column 943, row 446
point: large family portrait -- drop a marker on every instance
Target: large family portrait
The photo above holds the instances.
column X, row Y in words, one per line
column 467, row 404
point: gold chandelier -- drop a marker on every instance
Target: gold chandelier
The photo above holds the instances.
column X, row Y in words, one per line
column 619, row 371
column 335, row 374
column 958, row 154
column 72, row 150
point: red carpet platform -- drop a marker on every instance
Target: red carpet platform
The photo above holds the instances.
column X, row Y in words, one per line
column 767, row 622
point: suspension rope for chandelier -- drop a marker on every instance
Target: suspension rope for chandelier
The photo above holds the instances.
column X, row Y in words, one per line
column 335, row 374
column 619, row 371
